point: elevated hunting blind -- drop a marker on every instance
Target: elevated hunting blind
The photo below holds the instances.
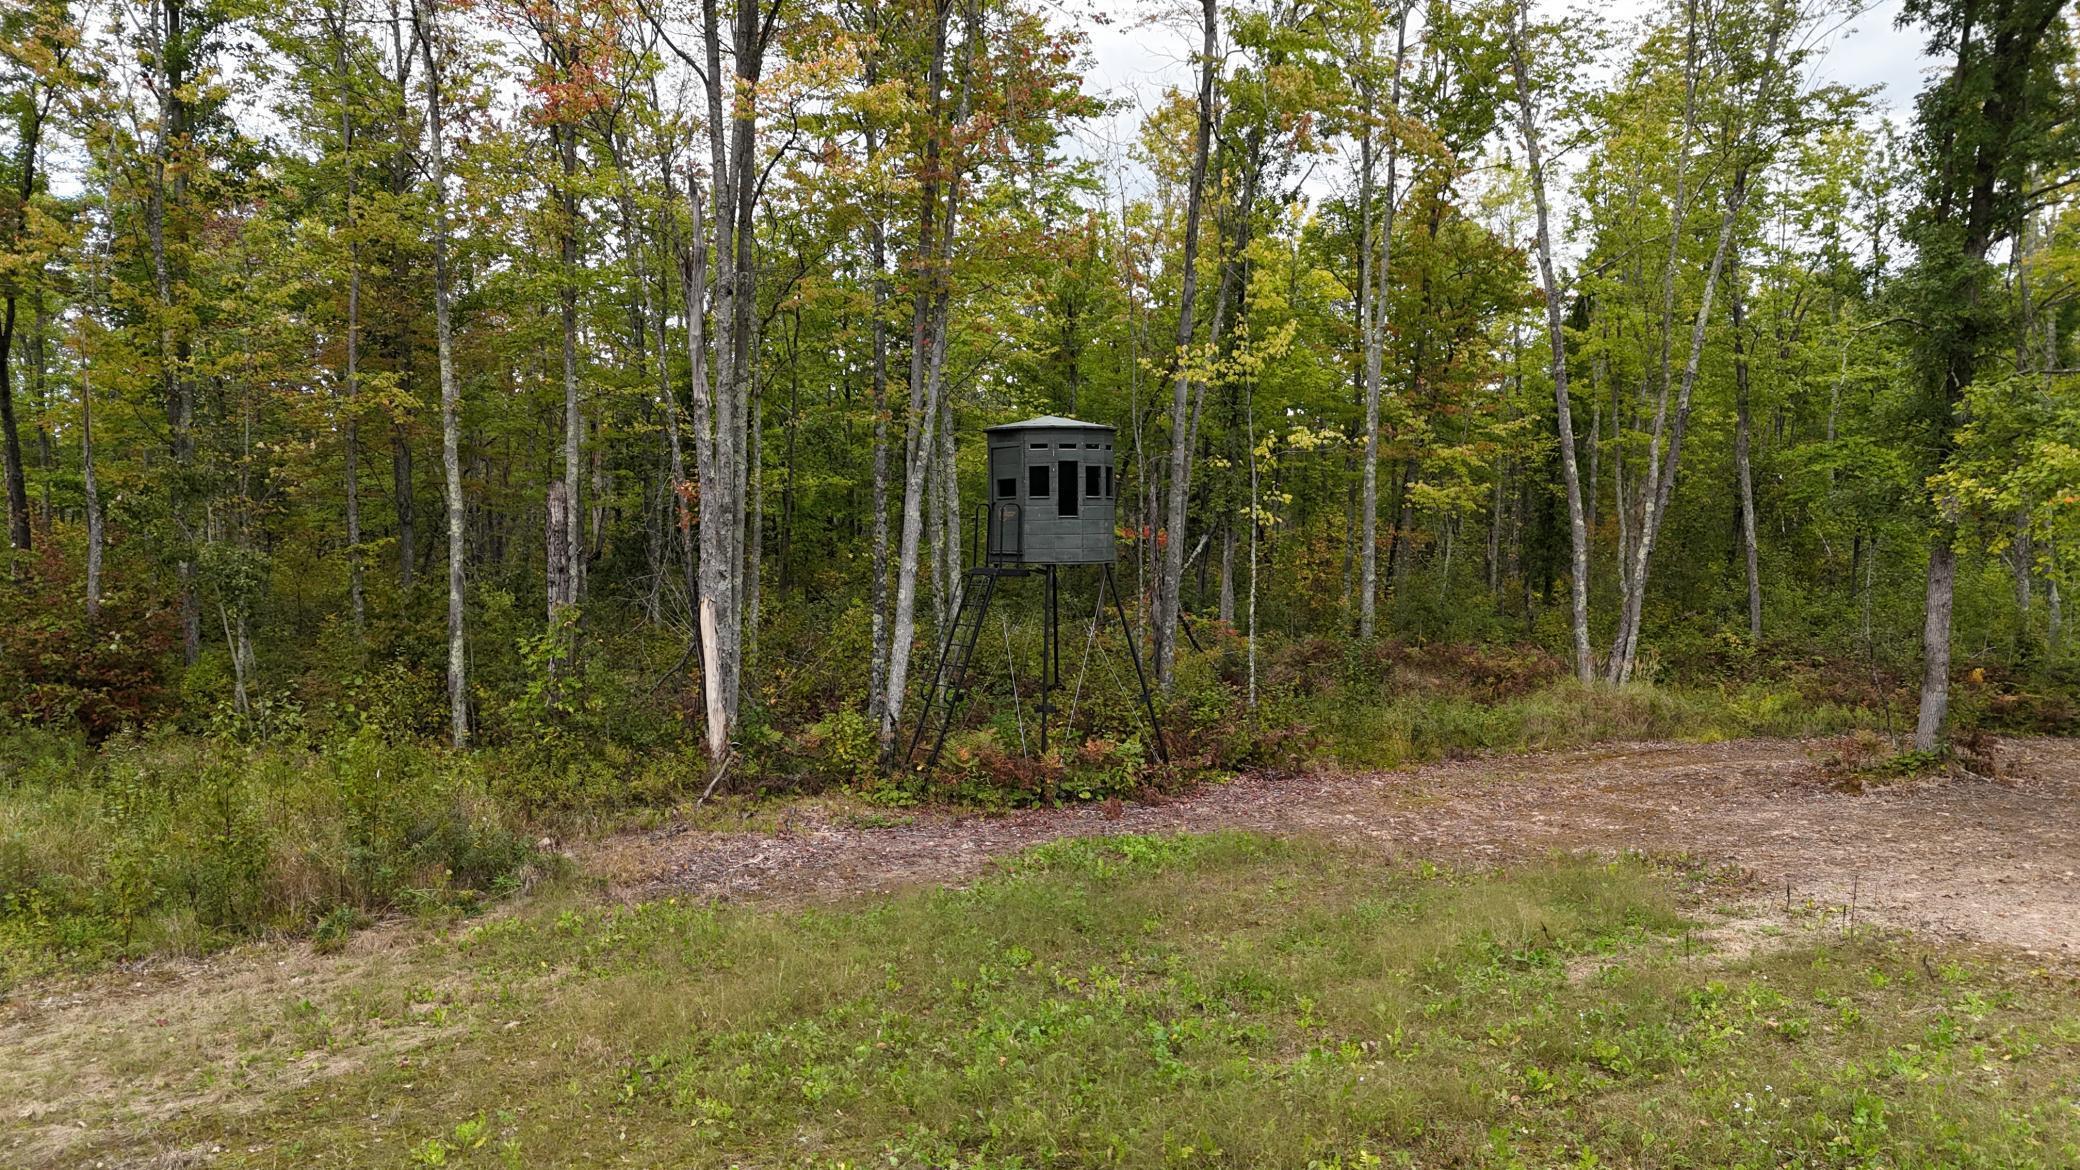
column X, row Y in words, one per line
column 1050, row 505
column 1051, row 493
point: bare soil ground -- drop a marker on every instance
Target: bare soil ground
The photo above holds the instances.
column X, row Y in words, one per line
column 1994, row 862
column 1986, row 860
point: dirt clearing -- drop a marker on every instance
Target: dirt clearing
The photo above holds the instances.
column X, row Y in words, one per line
column 1993, row 861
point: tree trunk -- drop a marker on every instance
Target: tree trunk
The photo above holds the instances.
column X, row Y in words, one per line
column 11, row 440
column 403, row 500
column 566, row 581
column 721, row 411
column 1974, row 183
column 40, row 395
column 11, row 470
column 1556, row 336
column 424, row 14
column 929, row 318
column 96, row 537
column 946, row 544
column 2054, row 614
column 675, row 450
column 1742, row 429
column 1226, row 612
column 1373, row 278
column 877, row 589
column 357, row 603
column 709, row 465
column 171, row 83
column 402, row 173
column 877, row 375
column 2023, row 558
column 1935, row 640
column 755, row 518
column 1632, row 573
column 1590, row 499
column 556, row 531
column 1661, row 477
column 1170, row 576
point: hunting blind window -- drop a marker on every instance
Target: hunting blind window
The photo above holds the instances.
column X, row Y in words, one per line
column 1067, row 502
column 1038, row 488
column 1007, row 487
column 1094, row 481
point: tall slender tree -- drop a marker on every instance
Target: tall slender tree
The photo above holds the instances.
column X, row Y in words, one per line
column 426, row 26
column 1983, row 129
column 1169, row 600
column 1556, row 338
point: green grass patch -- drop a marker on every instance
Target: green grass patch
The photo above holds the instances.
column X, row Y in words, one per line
column 1222, row 1000
column 1396, row 730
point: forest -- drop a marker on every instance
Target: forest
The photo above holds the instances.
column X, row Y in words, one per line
column 1582, row 675
column 577, row 406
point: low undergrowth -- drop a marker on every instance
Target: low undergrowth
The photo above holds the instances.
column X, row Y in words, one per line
column 179, row 844
column 1225, row 1000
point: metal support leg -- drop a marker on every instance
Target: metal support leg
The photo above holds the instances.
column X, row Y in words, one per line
column 949, row 684
column 1148, row 702
column 1050, row 652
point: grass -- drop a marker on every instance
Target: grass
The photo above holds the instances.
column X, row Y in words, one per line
column 181, row 844
column 1222, row 1000
column 1417, row 728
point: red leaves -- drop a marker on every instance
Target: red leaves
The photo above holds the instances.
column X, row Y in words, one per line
column 55, row 668
column 582, row 47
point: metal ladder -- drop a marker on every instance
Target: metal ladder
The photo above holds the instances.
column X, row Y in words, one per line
column 949, row 687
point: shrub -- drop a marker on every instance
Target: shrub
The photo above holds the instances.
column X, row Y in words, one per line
column 59, row 670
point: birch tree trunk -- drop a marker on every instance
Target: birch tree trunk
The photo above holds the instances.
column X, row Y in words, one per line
column 1556, row 337
column 1743, row 428
column 1661, row 477
column 1374, row 279
column 930, row 312
column 1742, row 134
column 566, row 579
column 1633, row 583
column 721, row 410
column 1170, row 575
column 877, row 588
column 714, row 594
column 424, row 17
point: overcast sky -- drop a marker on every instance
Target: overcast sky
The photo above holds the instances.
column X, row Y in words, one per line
column 1137, row 56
